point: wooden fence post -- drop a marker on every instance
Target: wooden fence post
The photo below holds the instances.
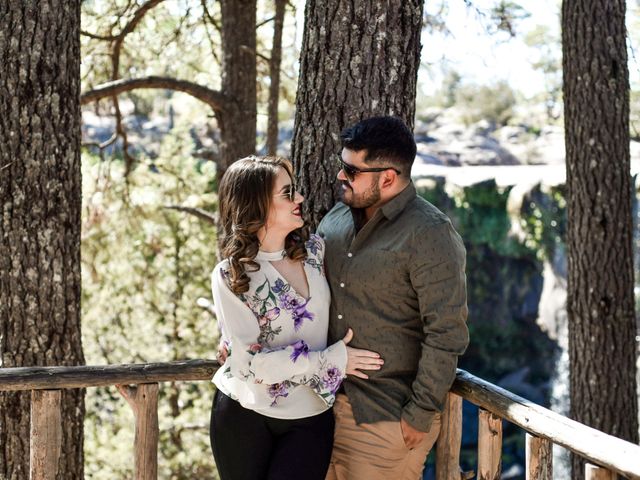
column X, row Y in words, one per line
column 539, row 455
column 143, row 400
column 46, row 434
column 449, row 440
column 489, row 445
column 594, row 472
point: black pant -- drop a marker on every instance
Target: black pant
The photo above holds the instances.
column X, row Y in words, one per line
column 250, row 446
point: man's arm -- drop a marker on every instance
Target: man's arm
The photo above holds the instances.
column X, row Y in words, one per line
column 439, row 280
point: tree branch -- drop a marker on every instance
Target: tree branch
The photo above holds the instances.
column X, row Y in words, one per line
column 215, row 99
column 137, row 17
column 115, row 76
column 106, row 38
column 129, row 27
column 263, row 57
column 202, row 214
column 207, row 15
column 264, row 22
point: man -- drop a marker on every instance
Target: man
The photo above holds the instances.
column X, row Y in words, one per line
column 396, row 270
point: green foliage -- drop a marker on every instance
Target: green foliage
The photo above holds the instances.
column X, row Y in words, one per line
column 443, row 97
column 450, row 86
column 494, row 103
column 543, row 219
column 506, row 15
column 144, row 268
column 481, row 215
column 432, row 189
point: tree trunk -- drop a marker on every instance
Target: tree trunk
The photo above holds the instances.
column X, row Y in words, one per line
column 600, row 300
column 40, row 201
column 238, row 124
column 274, row 76
column 358, row 59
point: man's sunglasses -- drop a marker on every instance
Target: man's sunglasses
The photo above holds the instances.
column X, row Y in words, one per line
column 350, row 171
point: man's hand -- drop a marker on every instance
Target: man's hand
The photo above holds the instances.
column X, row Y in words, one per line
column 412, row 437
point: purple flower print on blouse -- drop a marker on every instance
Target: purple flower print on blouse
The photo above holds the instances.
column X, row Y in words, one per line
column 313, row 244
column 332, row 379
column 299, row 348
column 278, row 390
column 314, row 247
column 279, row 286
column 289, row 301
column 300, row 314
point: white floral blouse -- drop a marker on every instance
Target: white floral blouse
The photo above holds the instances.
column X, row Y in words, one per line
column 279, row 364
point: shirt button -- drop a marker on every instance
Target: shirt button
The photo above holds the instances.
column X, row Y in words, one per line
column 340, row 317
column 349, row 254
column 342, row 285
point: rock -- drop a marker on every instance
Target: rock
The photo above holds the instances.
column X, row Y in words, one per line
column 512, row 134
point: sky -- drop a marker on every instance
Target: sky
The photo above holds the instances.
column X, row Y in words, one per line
column 479, row 56
column 483, row 58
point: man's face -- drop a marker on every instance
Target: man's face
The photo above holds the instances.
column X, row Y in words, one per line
column 364, row 190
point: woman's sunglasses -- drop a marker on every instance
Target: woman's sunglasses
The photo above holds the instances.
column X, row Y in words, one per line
column 289, row 192
column 350, row 171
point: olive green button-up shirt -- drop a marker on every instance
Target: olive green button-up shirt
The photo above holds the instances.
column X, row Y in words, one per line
column 399, row 282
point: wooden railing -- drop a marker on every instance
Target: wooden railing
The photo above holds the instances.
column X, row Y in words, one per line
column 606, row 455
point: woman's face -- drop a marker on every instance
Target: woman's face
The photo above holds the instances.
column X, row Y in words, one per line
column 285, row 214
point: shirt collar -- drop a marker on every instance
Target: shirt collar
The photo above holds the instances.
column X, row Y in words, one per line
column 271, row 256
column 390, row 210
column 397, row 204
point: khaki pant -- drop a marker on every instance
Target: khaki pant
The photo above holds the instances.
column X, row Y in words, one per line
column 375, row 451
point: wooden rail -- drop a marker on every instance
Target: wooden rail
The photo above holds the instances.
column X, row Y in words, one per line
column 47, row 378
column 604, row 450
column 607, row 455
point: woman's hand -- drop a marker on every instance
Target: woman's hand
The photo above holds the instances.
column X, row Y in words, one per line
column 222, row 353
column 359, row 359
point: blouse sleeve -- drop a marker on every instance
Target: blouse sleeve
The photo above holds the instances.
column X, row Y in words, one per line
column 247, row 360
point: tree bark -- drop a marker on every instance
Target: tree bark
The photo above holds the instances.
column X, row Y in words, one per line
column 274, row 76
column 238, row 125
column 358, row 59
column 600, row 300
column 40, row 202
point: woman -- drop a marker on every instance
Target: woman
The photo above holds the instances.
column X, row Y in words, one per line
column 271, row 415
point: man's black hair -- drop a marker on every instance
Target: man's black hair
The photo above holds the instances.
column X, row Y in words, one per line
column 386, row 139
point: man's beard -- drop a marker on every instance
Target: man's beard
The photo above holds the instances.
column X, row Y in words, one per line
column 366, row 199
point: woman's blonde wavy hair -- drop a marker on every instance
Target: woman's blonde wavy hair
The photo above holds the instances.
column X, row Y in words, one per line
column 245, row 196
